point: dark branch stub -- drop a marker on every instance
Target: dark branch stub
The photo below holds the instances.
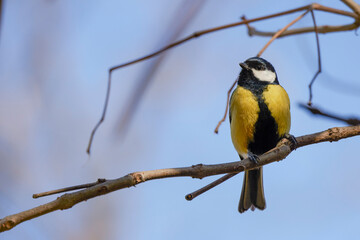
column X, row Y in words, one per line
column 353, row 121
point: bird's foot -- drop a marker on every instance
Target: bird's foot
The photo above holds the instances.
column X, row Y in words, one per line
column 253, row 157
column 292, row 139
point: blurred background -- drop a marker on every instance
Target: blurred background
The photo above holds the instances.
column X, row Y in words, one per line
column 54, row 61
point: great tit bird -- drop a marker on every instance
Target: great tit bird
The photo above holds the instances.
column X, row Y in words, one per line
column 259, row 117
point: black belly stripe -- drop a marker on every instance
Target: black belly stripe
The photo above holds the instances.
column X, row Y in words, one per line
column 266, row 130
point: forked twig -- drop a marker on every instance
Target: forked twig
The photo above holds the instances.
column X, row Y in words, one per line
column 206, row 31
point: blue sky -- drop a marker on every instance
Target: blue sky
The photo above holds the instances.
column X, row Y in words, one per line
column 54, row 58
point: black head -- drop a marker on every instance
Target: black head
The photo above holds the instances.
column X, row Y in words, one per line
column 257, row 70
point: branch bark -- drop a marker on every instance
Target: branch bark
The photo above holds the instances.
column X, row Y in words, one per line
column 68, row 200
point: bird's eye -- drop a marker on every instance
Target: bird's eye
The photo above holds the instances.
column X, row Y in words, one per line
column 258, row 67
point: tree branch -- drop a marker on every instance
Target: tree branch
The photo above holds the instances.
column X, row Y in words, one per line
column 68, row 200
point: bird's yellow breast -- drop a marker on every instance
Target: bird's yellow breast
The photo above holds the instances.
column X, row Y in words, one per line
column 244, row 110
column 278, row 103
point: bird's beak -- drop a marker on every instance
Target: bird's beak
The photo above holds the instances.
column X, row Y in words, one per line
column 244, row 66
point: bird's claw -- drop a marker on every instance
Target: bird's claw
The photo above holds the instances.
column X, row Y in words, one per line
column 292, row 140
column 253, row 158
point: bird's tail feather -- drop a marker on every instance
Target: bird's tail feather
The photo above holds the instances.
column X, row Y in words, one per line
column 252, row 193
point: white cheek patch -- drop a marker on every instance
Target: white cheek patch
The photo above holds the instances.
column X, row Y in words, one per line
column 264, row 75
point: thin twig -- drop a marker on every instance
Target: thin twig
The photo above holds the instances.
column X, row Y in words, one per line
column 319, row 58
column 68, row 200
column 226, row 108
column 103, row 113
column 316, row 111
column 211, row 185
column 68, row 189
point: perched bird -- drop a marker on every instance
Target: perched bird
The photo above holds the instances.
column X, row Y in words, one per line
column 259, row 117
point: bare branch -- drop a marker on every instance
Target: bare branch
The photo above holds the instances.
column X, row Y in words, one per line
column 68, row 200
